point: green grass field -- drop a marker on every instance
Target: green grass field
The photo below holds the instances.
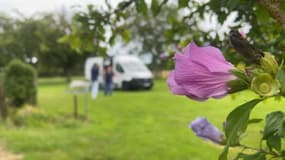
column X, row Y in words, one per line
column 135, row 125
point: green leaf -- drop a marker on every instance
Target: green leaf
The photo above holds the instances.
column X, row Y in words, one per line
column 274, row 142
column 183, row 3
column 237, row 121
column 240, row 74
column 281, row 78
column 256, row 156
column 123, row 5
column 236, row 124
column 282, row 6
column 262, row 14
column 283, row 155
column 274, row 124
column 222, row 17
column 232, row 4
column 274, row 130
column 155, row 7
column 102, row 51
column 237, row 85
column 141, row 6
column 112, row 39
column 126, row 35
column 255, row 120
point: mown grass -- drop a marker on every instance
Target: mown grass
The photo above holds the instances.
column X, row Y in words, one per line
column 136, row 125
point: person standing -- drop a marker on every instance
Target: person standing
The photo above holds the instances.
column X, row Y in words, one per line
column 108, row 88
column 94, row 79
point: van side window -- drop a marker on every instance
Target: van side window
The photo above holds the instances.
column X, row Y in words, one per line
column 119, row 68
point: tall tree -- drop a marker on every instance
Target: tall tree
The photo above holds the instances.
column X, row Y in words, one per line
column 64, row 60
column 262, row 16
column 35, row 40
column 88, row 31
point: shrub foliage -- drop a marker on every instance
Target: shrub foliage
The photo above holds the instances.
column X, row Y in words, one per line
column 20, row 83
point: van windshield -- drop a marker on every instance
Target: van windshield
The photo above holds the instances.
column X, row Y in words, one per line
column 134, row 66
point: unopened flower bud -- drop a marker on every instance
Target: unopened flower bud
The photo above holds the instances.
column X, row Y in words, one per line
column 269, row 64
column 206, row 130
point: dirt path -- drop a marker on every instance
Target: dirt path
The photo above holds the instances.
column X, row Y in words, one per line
column 5, row 155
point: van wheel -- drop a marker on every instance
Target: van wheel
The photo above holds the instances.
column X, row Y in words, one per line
column 148, row 88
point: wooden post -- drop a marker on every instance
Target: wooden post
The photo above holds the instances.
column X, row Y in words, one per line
column 75, row 106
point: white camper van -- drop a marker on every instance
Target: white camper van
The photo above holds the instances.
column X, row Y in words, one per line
column 129, row 72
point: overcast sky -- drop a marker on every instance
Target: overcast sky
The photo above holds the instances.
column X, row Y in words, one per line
column 30, row 7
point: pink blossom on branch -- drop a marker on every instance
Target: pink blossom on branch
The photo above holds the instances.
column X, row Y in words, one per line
column 200, row 73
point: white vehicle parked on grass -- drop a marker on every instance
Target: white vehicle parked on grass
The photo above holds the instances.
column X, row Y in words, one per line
column 129, row 72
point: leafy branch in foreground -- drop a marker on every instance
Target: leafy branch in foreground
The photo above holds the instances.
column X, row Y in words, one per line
column 202, row 72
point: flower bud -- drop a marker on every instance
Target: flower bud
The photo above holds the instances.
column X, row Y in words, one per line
column 206, row 130
column 269, row 64
column 264, row 85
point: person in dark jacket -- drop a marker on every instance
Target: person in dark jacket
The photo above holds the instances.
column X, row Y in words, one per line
column 94, row 79
column 108, row 77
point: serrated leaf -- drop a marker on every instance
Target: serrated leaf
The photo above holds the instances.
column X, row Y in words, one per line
column 274, row 124
column 155, row 7
column 236, row 124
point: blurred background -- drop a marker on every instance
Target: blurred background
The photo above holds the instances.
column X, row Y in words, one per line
column 47, row 49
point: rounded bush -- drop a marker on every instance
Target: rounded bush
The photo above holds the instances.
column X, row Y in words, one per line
column 20, row 83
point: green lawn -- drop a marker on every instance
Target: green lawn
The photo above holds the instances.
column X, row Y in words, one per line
column 137, row 125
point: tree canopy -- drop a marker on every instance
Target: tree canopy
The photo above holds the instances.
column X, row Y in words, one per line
column 61, row 45
column 132, row 18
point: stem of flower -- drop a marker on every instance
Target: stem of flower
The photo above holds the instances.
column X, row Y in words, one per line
column 272, row 153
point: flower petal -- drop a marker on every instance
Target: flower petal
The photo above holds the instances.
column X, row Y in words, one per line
column 174, row 87
column 210, row 57
column 200, row 73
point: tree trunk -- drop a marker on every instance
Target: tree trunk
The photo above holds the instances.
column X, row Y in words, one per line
column 68, row 75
